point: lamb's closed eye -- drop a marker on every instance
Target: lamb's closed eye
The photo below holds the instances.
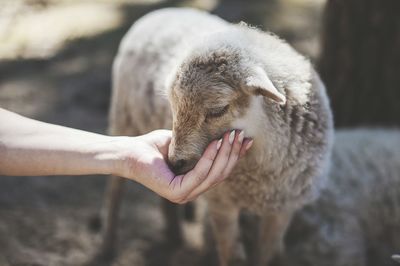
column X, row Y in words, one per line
column 217, row 112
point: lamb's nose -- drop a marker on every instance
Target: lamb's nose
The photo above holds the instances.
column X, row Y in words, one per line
column 180, row 163
column 178, row 166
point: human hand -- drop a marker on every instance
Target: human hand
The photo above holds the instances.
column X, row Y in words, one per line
column 145, row 161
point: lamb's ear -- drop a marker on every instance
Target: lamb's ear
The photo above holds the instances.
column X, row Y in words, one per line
column 259, row 83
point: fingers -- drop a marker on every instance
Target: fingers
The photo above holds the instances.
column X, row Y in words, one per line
column 223, row 164
column 218, row 166
column 247, row 143
column 163, row 132
column 234, row 155
column 221, row 160
column 161, row 138
column 214, row 166
column 184, row 184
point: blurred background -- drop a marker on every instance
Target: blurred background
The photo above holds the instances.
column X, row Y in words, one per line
column 55, row 65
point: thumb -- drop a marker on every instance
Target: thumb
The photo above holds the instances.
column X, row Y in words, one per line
column 162, row 138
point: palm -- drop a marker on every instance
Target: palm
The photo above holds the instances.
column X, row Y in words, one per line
column 147, row 156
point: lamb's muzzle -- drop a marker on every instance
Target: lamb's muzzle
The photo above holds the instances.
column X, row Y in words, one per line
column 180, row 166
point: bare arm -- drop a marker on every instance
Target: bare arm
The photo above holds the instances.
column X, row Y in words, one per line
column 30, row 148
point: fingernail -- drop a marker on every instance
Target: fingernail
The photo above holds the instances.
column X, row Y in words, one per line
column 241, row 136
column 219, row 143
column 231, row 137
column 249, row 144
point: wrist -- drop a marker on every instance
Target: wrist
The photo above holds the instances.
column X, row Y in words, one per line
column 114, row 156
column 105, row 156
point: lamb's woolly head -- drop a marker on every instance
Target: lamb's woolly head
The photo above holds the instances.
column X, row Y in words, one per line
column 209, row 94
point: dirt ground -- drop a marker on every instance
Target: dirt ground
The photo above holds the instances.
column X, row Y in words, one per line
column 61, row 74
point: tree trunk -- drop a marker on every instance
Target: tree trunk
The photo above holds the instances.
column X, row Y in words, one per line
column 360, row 61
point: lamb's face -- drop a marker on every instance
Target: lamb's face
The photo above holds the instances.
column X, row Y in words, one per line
column 210, row 96
column 200, row 115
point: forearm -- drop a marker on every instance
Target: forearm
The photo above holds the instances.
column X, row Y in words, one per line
column 30, row 147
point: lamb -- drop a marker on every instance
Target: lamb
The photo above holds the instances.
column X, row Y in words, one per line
column 218, row 76
column 356, row 219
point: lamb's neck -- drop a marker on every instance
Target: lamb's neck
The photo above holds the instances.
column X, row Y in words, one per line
column 255, row 124
column 268, row 150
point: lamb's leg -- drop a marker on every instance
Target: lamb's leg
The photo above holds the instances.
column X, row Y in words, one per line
column 173, row 222
column 110, row 219
column 225, row 223
column 273, row 226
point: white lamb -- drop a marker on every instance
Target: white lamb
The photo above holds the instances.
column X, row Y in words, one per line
column 219, row 76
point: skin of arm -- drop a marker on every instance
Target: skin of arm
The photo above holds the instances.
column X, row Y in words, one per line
column 32, row 148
